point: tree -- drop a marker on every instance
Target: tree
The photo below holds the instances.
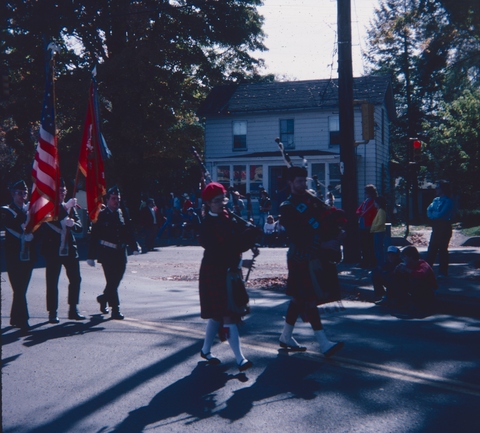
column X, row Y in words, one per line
column 427, row 47
column 156, row 60
column 455, row 146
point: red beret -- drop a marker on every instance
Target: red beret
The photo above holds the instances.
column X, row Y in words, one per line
column 212, row 190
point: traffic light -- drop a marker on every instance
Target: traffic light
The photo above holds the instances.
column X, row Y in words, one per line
column 417, row 150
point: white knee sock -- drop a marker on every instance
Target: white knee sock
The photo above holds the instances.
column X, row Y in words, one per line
column 210, row 333
column 325, row 343
column 286, row 336
column 234, row 341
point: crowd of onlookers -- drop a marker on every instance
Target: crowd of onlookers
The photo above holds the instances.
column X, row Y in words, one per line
column 175, row 219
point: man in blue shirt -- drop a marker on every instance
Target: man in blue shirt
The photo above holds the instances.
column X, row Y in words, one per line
column 440, row 212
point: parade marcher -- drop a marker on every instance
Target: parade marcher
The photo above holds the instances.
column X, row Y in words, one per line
column 110, row 236
column 302, row 217
column 366, row 213
column 223, row 239
column 440, row 212
column 59, row 247
column 19, row 253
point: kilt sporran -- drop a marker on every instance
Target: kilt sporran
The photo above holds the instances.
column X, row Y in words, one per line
column 237, row 295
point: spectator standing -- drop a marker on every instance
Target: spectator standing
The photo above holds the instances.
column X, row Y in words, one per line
column 366, row 213
column 152, row 220
column 280, row 233
column 19, row 253
column 110, row 236
column 265, row 207
column 378, row 229
column 440, row 212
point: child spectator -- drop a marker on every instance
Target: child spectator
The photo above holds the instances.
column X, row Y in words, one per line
column 269, row 232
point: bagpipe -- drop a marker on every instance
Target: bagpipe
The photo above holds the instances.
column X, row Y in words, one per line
column 322, row 267
column 207, row 178
column 288, row 162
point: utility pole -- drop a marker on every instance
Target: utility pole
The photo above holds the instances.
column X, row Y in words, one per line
column 348, row 163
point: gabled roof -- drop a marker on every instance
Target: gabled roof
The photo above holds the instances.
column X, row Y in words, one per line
column 294, row 95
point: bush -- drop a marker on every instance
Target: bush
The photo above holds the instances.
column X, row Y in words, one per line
column 469, row 218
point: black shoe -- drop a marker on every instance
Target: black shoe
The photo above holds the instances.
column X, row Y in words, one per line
column 290, row 348
column 52, row 318
column 116, row 315
column 210, row 358
column 24, row 328
column 103, row 304
column 383, row 301
column 73, row 314
column 245, row 365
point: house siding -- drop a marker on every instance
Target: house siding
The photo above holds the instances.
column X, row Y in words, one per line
column 251, row 103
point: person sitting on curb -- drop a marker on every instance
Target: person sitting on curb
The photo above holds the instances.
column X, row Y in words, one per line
column 414, row 284
column 383, row 277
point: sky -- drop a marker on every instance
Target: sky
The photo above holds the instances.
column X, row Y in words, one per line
column 302, row 37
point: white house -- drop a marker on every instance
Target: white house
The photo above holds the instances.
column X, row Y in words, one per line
column 242, row 122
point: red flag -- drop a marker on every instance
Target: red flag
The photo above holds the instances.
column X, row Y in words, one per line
column 46, row 170
column 90, row 161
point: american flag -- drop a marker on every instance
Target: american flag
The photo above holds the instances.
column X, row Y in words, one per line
column 46, row 170
column 92, row 152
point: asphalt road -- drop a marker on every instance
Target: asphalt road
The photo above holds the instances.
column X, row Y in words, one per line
column 144, row 374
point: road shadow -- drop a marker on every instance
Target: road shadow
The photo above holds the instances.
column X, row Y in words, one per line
column 66, row 329
column 68, row 419
column 286, row 377
column 194, row 396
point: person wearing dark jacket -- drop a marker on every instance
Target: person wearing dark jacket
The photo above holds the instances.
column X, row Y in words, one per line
column 110, row 236
column 151, row 219
column 19, row 253
column 313, row 234
column 59, row 247
column 223, row 239
column 383, row 277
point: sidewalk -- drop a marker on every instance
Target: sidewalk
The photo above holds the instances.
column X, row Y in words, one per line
column 458, row 293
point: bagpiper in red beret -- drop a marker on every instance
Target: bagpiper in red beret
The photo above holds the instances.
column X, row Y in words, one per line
column 212, row 190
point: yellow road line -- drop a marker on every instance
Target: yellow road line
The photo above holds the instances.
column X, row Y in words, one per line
column 352, row 364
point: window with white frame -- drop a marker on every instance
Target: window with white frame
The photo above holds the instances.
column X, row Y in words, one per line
column 334, row 129
column 240, row 135
column 287, row 133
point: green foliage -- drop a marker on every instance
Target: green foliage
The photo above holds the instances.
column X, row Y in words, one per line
column 455, row 146
column 156, row 60
column 432, row 51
